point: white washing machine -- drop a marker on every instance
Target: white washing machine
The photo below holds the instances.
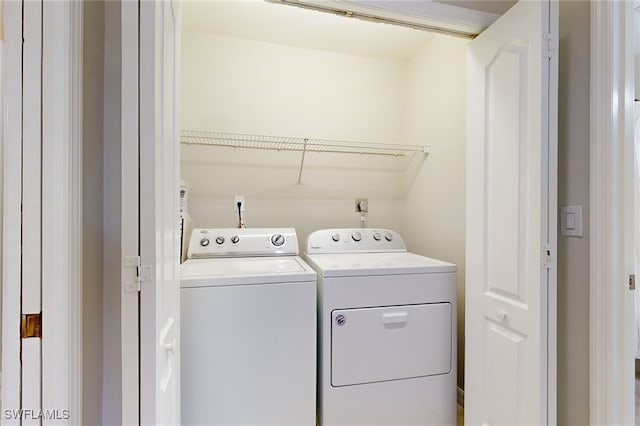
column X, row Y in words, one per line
column 387, row 331
column 248, row 330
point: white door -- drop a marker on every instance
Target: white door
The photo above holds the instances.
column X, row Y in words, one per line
column 159, row 239
column 38, row 380
column 26, row 264
column 511, row 219
column 31, row 256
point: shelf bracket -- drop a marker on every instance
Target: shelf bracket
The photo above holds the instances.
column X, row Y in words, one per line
column 304, row 151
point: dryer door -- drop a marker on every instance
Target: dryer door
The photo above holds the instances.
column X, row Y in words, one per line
column 390, row 343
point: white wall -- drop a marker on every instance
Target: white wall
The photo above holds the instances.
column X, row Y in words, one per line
column 435, row 113
column 242, row 86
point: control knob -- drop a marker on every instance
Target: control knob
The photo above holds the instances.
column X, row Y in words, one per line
column 376, row 236
column 277, row 240
column 335, row 237
column 235, row 239
column 220, row 240
column 388, row 236
column 356, row 236
column 204, row 242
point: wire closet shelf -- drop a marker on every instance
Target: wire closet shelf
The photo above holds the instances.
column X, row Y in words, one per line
column 284, row 143
column 304, row 145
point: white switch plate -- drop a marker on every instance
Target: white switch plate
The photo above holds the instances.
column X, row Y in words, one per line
column 573, row 226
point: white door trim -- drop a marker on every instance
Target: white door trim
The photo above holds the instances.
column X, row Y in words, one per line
column 552, row 225
column 62, row 211
column 55, row 203
column 75, row 214
column 611, row 204
column 130, row 210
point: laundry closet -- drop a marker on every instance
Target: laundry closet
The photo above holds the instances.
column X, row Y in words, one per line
column 282, row 75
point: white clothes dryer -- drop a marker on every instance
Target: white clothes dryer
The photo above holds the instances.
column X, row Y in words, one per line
column 387, row 331
column 248, row 330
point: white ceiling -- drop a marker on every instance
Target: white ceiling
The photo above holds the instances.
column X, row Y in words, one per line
column 492, row 6
column 283, row 24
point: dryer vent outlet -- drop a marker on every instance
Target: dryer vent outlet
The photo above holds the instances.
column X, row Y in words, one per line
column 362, row 205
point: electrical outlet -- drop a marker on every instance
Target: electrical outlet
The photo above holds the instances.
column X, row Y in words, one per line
column 362, row 205
column 238, row 199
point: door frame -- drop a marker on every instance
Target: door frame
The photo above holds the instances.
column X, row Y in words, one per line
column 611, row 209
column 129, row 193
column 62, row 209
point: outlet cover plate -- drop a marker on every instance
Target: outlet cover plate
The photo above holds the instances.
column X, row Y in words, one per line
column 364, row 202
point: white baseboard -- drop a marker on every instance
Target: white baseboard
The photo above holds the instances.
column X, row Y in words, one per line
column 460, row 397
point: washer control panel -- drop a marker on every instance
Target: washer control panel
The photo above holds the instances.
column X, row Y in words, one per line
column 357, row 240
column 242, row 242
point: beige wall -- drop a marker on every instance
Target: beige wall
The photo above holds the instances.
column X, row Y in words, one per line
column 637, row 48
column 111, row 242
column 1, row 157
column 637, row 70
column 573, row 253
column 92, row 180
column 242, row 86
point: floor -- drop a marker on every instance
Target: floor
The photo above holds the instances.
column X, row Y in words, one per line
column 637, row 399
column 460, row 421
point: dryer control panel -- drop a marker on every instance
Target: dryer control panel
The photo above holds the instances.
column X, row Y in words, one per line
column 242, row 242
column 356, row 240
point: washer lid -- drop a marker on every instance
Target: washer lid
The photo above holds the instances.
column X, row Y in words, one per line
column 358, row 264
column 249, row 270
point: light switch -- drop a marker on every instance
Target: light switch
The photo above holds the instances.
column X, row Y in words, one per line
column 571, row 221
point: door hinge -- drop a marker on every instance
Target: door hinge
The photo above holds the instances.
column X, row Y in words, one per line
column 632, row 282
column 548, row 47
column 144, row 273
column 546, row 256
column 31, row 326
